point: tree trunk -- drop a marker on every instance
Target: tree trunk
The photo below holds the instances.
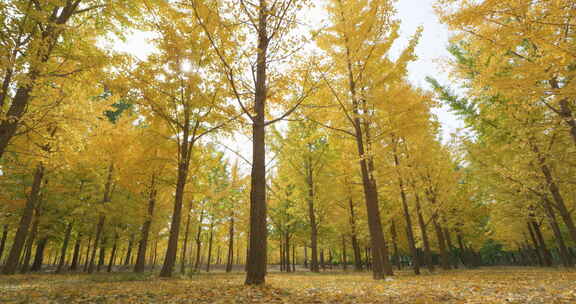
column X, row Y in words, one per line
column 547, row 257
column 113, row 253
column 555, row 191
column 395, row 254
column 11, row 263
column 199, row 242
column 293, row 256
column 102, row 218
column 25, row 263
column 312, row 216
column 39, row 257
column 287, row 252
column 425, row 240
column 64, row 248
column 344, row 259
column 183, row 165
column 564, row 254
column 102, row 254
column 230, row 257
column 76, row 255
column 450, row 248
column 407, row 217
column 354, row 238
column 3, row 241
column 145, row 233
column 444, row 259
column 257, row 251
column 128, row 256
column 185, row 245
column 209, row 261
column 87, row 255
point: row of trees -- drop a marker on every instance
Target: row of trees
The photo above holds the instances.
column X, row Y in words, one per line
column 105, row 156
column 515, row 62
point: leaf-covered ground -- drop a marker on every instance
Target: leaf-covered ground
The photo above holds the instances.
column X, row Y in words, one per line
column 487, row 285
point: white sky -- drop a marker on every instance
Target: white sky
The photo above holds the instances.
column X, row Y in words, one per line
column 430, row 50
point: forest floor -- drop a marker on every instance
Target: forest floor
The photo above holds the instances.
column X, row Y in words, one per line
column 484, row 285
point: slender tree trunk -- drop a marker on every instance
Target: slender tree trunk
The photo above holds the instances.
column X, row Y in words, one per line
column 322, row 264
column 3, row 241
column 183, row 165
column 547, row 257
column 39, row 257
column 425, row 240
column 395, row 254
column 102, row 254
column 282, row 261
column 555, row 191
column 354, row 238
column 11, row 264
column 129, row 250
column 209, row 261
column 444, row 259
column 87, row 255
column 102, row 218
column 305, row 256
column 407, row 217
column 344, row 258
column 199, row 242
column 145, row 233
column 450, row 247
column 257, row 249
column 312, row 217
column 185, row 245
column 64, row 248
column 540, row 255
column 76, row 255
column 230, row 257
column 463, row 254
column 113, row 253
column 293, row 256
column 287, row 252
column 564, row 254
column 25, row 263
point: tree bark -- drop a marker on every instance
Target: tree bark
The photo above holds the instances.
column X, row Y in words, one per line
column 145, row 232
column 102, row 254
column 128, row 257
column 87, row 255
column 76, row 255
column 39, row 257
column 565, row 256
column 64, row 248
column 102, row 218
column 425, row 240
column 354, row 238
column 25, row 263
column 312, row 216
column 395, row 254
column 344, row 258
column 3, row 241
column 113, row 253
column 183, row 166
column 555, row 191
column 257, row 248
column 444, row 259
column 185, row 245
column 11, row 264
column 209, row 261
column 230, row 257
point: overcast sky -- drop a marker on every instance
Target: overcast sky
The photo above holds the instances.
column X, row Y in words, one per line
column 430, row 50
